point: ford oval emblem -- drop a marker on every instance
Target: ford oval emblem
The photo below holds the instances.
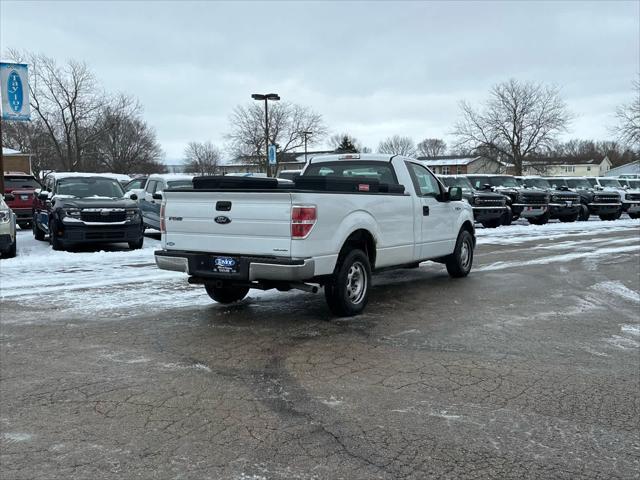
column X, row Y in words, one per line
column 14, row 91
column 222, row 220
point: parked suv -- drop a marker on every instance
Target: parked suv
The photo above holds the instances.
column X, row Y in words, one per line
column 7, row 228
column 526, row 203
column 86, row 208
column 563, row 204
column 21, row 186
column 152, row 196
column 630, row 199
column 490, row 209
column 604, row 204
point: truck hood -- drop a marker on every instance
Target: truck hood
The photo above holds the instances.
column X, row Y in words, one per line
column 94, row 202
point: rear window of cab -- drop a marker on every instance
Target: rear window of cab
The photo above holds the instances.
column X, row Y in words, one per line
column 383, row 171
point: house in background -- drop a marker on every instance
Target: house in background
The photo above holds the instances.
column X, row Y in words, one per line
column 16, row 161
column 463, row 165
column 567, row 167
column 631, row 168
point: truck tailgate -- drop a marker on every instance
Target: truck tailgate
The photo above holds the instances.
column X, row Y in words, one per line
column 259, row 223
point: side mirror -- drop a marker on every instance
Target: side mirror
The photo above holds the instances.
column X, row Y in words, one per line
column 157, row 196
column 8, row 197
column 133, row 196
column 486, row 186
column 44, row 195
column 455, row 194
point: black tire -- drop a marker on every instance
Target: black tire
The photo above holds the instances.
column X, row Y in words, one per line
column 226, row 294
column 137, row 245
column 11, row 251
column 54, row 239
column 608, row 217
column 38, row 234
column 583, row 214
column 507, row 217
column 634, row 215
column 618, row 214
column 459, row 263
column 569, row 218
column 348, row 292
column 540, row 220
column 492, row 223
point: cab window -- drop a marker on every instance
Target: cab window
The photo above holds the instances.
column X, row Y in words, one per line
column 151, row 186
column 425, row 183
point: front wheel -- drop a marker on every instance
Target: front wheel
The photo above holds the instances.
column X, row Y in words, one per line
column 507, row 217
column 608, row 217
column 54, row 239
column 460, row 261
column 24, row 225
column 540, row 220
column 38, row 234
column 226, row 294
column 137, row 245
column 492, row 223
column 634, row 215
column 569, row 218
column 11, row 251
column 348, row 293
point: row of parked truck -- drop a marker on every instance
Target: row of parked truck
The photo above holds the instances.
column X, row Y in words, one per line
column 71, row 208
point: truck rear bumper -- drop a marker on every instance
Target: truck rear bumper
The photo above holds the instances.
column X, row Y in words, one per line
column 250, row 268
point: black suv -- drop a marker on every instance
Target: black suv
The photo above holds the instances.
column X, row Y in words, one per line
column 77, row 208
column 564, row 205
column 490, row 209
column 604, row 204
column 526, row 203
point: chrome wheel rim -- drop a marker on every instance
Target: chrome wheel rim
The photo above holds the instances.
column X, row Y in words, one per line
column 356, row 283
column 465, row 254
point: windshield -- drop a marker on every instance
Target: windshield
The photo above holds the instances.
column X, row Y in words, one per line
column 137, row 183
column 20, row 182
column 380, row 170
column 537, row 183
column 579, row 183
column 462, row 182
column 501, row 181
column 83, row 187
column 633, row 183
column 180, row 184
column 592, row 181
column 610, row 182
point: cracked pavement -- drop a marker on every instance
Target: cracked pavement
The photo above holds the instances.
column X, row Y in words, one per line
column 528, row 368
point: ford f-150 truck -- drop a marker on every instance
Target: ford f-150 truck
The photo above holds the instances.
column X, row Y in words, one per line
column 606, row 205
column 345, row 217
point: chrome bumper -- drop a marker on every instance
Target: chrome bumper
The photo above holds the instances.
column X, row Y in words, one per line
column 272, row 271
column 177, row 264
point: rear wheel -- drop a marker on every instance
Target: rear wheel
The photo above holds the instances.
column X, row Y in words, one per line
column 226, row 293
column 540, row 220
column 38, row 234
column 11, row 251
column 634, row 215
column 460, row 261
column 583, row 214
column 348, row 293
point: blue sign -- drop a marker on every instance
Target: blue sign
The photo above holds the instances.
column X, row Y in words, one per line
column 14, row 91
column 272, row 154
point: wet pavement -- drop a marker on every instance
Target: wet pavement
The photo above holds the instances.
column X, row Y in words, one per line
column 528, row 368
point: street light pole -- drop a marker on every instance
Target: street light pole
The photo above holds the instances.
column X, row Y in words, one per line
column 266, row 97
column 305, row 133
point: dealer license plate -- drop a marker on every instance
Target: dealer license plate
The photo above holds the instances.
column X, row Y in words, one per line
column 225, row 265
column 24, row 197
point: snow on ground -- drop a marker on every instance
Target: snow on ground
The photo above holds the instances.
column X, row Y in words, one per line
column 113, row 281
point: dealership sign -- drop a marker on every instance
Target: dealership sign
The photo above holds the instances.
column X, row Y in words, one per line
column 14, row 81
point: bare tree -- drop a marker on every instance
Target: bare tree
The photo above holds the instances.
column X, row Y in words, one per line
column 519, row 119
column 397, row 145
column 432, row 147
column 287, row 122
column 126, row 144
column 628, row 128
column 202, row 158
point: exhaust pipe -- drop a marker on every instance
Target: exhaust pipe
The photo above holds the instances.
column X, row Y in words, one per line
column 306, row 287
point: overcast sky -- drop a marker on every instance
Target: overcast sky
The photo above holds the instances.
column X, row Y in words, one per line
column 372, row 69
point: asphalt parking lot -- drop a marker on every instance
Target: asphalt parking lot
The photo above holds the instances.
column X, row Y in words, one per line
column 528, row 368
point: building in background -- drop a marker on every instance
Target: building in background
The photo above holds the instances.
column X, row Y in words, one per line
column 631, row 168
column 16, row 161
column 463, row 165
column 567, row 167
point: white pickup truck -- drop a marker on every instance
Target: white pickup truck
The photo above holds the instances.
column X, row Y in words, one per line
column 345, row 217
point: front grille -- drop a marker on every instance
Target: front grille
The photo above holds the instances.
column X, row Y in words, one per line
column 489, row 201
column 104, row 235
column 607, row 198
column 104, row 216
column 533, row 199
column 633, row 197
column 567, row 198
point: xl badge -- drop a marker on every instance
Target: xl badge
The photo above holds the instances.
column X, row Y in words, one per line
column 222, row 220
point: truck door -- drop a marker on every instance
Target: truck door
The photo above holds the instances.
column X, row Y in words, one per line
column 437, row 218
column 145, row 202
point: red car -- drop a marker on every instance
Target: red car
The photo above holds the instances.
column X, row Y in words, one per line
column 21, row 186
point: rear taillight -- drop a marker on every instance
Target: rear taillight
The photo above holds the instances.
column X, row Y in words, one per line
column 163, row 227
column 303, row 218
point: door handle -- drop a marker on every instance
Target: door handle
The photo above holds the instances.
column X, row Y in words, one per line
column 425, row 210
